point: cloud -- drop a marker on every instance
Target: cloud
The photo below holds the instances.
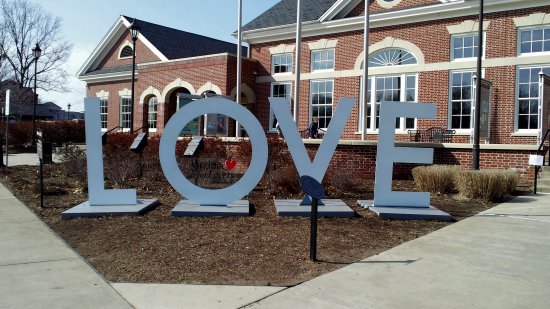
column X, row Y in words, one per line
column 77, row 89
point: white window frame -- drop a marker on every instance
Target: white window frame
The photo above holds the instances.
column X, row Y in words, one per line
column 311, row 99
column 474, row 57
column 104, row 114
column 450, row 103
column 403, row 98
column 531, row 28
column 281, row 55
column 126, row 44
column 271, row 114
column 527, row 132
column 322, row 51
column 124, row 129
column 149, row 113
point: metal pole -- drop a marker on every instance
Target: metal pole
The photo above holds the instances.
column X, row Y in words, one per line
column 133, row 82
column 239, row 60
column 298, row 56
column 477, row 114
column 34, row 106
column 363, row 106
column 313, row 231
column 7, row 145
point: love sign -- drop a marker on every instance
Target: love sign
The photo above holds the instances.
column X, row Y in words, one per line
column 387, row 152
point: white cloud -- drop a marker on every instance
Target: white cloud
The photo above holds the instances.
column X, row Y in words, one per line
column 76, row 88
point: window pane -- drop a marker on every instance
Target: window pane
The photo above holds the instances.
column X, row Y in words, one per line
column 523, row 122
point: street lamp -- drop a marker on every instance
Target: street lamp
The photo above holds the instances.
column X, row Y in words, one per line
column 36, row 52
column 68, row 111
column 134, row 31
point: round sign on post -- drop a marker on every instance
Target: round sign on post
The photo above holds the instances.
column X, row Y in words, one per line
column 312, row 187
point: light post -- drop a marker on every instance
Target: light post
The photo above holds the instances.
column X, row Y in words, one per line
column 69, row 111
column 36, row 52
column 134, row 31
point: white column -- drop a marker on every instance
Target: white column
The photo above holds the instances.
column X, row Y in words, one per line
column 239, row 62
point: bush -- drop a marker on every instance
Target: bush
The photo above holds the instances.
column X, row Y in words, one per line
column 436, row 179
column 73, row 162
column 62, row 132
column 489, row 185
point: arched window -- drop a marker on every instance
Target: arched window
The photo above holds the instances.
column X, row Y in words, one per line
column 152, row 113
column 392, row 87
column 126, row 52
column 391, row 57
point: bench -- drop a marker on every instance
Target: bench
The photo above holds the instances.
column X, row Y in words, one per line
column 432, row 135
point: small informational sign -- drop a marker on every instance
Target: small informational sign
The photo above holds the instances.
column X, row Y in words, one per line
column 44, row 151
column 216, row 124
column 544, row 106
column 7, row 108
column 484, row 110
column 536, row 160
column 139, row 143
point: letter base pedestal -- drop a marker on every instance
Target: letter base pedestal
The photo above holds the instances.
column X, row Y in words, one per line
column 334, row 208
column 406, row 213
column 186, row 208
column 86, row 210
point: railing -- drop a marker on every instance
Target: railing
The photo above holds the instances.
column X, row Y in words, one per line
column 104, row 135
column 541, row 151
column 432, row 135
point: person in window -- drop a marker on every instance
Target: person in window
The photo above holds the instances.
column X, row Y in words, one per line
column 313, row 129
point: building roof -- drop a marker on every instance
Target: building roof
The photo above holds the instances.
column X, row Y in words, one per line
column 284, row 13
column 177, row 44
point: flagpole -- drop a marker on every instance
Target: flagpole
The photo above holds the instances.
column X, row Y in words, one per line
column 239, row 62
column 363, row 103
column 477, row 112
column 298, row 56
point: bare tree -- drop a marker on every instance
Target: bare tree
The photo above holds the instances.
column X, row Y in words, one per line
column 22, row 25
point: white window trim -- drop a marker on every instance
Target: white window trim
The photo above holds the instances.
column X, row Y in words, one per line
column 120, row 112
column 451, row 56
column 518, row 36
column 388, row 5
column 100, row 113
column 127, row 43
column 311, row 99
column 449, row 102
column 401, row 129
column 104, row 95
column 273, row 65
column 271, row 115
column 523, row 132
column 325, row 70
column 156, row 113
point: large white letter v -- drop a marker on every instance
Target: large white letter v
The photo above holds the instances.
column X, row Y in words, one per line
column 304, row 165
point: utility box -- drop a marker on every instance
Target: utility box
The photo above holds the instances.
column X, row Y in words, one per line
column 194, row 146
column 139, row 143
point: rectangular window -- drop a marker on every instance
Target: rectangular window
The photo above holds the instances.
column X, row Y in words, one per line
column 398, row 88
column 279, row 90
column 103, row 112
column 321, row 101
column 461, row 100
column 464, row 46
column 125, row 112
column 281, row 64
column 535, row 40
column 528, row 97
column 322, row 60
column 152, row 113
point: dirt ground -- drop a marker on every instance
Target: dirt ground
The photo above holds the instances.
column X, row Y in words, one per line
column 262, row 249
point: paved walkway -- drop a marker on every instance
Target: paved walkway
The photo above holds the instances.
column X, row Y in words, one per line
column 498, row 259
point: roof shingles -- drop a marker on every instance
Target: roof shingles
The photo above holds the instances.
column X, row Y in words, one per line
column 284, row 13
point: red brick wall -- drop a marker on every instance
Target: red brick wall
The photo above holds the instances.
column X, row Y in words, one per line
column 376, row 8
column 219, row 70
column 143, row 53
column 433, row 39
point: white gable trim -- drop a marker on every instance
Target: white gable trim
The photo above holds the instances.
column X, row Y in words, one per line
column 108, row 42
column 146, row 42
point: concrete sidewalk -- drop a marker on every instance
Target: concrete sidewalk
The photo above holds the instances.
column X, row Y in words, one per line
column 497, row 259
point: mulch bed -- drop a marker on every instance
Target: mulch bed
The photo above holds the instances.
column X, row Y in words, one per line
column 262, row 249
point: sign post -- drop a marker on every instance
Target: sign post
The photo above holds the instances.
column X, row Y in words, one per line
column 7, row 113
column 314, row 189
column 544, row 106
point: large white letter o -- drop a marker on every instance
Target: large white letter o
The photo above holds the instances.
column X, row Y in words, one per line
column 189, row 190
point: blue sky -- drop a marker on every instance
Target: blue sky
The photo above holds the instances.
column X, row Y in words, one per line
column 86, row 22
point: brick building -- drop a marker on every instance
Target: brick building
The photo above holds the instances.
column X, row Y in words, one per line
column 419, row 51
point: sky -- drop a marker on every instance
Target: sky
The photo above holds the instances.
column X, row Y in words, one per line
column 85, row 23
